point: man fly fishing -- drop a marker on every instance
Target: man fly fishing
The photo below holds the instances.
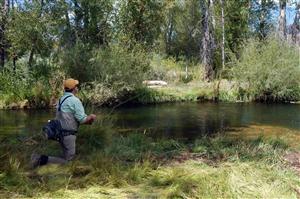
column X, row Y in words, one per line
column 69, row 115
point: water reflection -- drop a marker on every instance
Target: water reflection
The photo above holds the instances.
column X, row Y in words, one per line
column 184, row 120
column 27, row 122
column 194, row 119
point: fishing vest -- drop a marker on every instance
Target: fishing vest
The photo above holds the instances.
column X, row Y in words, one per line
column 67, row 120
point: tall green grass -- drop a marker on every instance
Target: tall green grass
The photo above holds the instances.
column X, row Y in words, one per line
column 135, row 165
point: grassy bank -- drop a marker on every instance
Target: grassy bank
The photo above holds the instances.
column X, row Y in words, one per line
column 106, row 97
column 110, row 165
column 189, row 92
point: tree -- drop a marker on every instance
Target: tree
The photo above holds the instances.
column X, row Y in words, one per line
column 31, row 31
column 261, row 23
column 181, row 29
column 4, row 7
column 140, row 21
column 207, row 43
column 223, row 33
column 237, row 20
column 282, row 19
column 296, row 26
column 169, row 25
column 92, row 21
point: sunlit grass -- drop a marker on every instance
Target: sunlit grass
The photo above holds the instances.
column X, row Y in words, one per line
column 173, row 94
column 139, row 166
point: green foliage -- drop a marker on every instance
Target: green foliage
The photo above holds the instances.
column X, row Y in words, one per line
column 75, row 60
column 30, row 31
column 261, row 20
column 269, row 71
column 181, row 28
column 236, row 24
column 167, row 69
column 98, row 94
column 112, row 46
column 93, row 19
column 139, row 21
column 114, row 68
column 120, row 68
column 12, row 87
column 33, row 88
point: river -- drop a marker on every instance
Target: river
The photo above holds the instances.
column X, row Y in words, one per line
column 180, row 120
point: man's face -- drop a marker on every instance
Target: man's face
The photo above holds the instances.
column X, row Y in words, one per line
column 76, row 89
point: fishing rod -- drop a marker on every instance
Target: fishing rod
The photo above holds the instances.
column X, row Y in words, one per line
column 93, row 107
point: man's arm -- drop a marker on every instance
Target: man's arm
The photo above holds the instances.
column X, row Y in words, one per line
column 80, row 114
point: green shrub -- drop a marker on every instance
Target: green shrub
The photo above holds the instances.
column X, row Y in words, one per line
column 36, row 85
column 119, row 68
column 75, row 61
column 114, row 72
column 269, row 71
column 13, row 86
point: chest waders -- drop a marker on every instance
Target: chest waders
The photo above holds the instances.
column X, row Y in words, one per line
column 66, row 118
column 62, row 129
column 63, row 125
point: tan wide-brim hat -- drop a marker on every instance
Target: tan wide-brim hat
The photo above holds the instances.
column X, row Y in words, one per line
column 70, row 83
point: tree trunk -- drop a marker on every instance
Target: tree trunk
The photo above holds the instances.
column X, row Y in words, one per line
column 5, row 7
column 14, row 62
column 262, row 20
column 282, row 20
column 3, row 44
column 212, row 14
column 207, row 40
column 69, row 35
column 33, row 49
column 296, row 26
column 31, row 56
column 169, row 33
column 77, row 18
column 223, row 34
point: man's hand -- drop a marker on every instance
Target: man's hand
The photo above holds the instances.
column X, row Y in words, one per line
column 90, row 119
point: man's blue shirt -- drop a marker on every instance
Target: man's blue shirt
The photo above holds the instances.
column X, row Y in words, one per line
column 73, row 105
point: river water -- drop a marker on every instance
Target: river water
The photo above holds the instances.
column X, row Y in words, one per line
column 180, row 120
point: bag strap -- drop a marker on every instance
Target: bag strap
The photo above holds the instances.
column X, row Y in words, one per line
column 60, row 103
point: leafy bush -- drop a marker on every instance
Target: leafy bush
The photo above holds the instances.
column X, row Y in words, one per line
column 76, row 62
column 119, row 68
column 105, row 74
column 36, row 85
column 14, row 84
column 269, row 71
